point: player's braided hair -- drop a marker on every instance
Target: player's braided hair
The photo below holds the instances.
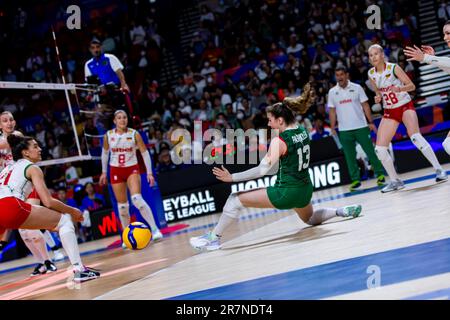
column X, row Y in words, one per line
column 291, row 106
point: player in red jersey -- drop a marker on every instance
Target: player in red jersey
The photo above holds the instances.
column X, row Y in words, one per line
column 16, row 183
column 121, row 144
column 33, row 239
column 392, row 85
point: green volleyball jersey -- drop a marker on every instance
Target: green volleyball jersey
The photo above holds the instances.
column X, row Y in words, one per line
column 293, row 170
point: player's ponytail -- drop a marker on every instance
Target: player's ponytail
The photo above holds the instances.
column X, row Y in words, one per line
column 291, row 106
column 302, row 103
column 18, row 144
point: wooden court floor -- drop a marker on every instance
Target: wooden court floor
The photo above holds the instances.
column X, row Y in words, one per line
column 273, row 245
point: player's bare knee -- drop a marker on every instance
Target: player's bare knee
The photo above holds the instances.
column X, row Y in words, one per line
column 233, row 206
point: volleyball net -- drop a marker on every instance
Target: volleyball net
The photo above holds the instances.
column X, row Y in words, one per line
column 71, row 115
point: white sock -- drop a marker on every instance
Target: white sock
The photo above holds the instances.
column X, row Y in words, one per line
column 147, row 214
column 224, row 222
column 42, row 246
column 388, row 165
column 231, row 212
column 321, row 215
column 28, row 237
column 431, row 157
column 144, row 209
column 69, row 242
column 124, row 214
column 424, row 147
column 386, row 160
column 49, row 239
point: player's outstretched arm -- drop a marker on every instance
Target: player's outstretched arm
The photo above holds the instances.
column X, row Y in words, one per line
column 416, row 54
column 276, row 149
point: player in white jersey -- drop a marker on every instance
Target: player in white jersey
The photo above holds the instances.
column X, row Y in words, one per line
column 427, row 55
column 121, row 144
column 33, row 239
column 392, row 85
column 17, row 182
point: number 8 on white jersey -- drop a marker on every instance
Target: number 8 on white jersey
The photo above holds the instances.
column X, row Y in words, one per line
column 123, row 148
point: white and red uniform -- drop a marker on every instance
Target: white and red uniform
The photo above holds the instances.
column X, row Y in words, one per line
column 6, row 159
column 394, row 103
column 14, row 190
column 123, row 161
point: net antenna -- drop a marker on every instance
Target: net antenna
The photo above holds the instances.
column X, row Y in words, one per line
column 69, row 104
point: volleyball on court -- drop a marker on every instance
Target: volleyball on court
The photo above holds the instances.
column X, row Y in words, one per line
column 136, row 236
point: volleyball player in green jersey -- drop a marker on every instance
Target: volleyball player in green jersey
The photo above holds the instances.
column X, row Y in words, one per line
column 293, row 188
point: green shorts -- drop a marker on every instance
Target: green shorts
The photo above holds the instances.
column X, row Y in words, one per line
column 290, row 197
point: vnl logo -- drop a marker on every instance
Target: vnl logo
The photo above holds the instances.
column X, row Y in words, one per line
column 374, row 20
column 74, row 20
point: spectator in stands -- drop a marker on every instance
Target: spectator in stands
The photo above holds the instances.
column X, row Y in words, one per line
column 10, row 76
column 55, row 150
column 34, row 59
column 92, row 201
column 71, row 174
column 40, row 134
column 62, row 196
column 320, row 131
column 395, row 51
column 165, row 162
column 294, row 46
column 208, row 69
column 398, row 20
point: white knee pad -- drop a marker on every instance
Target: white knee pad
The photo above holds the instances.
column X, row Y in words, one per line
column 419, row 141
column 233, row 206
column 382, row 153
column 446, row 145
column 65, row 224
column 30, row 235
column 137, row 200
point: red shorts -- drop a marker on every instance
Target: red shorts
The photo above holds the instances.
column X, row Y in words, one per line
column 34, row 195
column 397, row 113
column 14, row 213
column 120, row 175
